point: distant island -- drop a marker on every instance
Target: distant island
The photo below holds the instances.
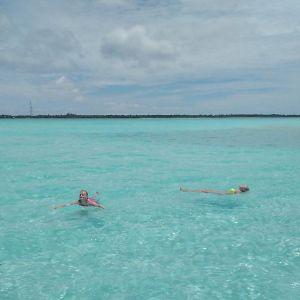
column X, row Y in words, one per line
column 75, row 116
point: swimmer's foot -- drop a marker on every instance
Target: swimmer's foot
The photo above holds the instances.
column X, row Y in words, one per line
column 182, row 189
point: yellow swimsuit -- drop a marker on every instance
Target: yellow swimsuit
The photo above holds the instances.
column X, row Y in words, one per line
column 231, row 191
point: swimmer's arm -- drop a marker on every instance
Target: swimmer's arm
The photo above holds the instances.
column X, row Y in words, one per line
column 215, row 192
column 230, row 193
column 64, row 205
column 98, row 205
column 202, row 191
column 221, row 193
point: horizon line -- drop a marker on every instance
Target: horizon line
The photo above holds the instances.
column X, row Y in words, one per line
column 71, row 115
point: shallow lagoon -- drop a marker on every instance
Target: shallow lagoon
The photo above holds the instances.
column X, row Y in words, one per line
column 151, row 241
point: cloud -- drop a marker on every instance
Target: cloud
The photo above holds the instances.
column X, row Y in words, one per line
column 42, row 50
column 113, row 2
column 4, row 23
column 60, row 89
column 136, row 47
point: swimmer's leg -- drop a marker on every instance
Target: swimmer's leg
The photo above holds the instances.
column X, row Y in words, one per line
column 195, row 191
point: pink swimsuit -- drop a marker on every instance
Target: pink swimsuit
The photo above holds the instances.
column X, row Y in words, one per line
column 91, row 201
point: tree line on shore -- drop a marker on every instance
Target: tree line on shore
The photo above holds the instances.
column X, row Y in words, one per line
column 75, row 116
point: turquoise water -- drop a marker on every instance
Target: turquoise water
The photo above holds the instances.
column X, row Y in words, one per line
column 151, row 241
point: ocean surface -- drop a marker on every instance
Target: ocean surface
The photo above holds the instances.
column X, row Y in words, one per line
column 151, row 241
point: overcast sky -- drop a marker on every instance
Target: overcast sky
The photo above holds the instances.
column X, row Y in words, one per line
column 150, row 56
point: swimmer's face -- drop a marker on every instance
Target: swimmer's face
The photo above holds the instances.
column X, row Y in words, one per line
column 83, row 195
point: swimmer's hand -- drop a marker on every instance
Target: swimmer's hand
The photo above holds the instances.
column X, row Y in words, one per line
column 58, row 206
column 99, row 206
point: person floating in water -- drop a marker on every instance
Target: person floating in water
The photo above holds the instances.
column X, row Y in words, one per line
column 84, row 200
column 242, row 189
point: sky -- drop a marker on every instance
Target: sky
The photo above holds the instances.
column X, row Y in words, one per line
column 150, row 57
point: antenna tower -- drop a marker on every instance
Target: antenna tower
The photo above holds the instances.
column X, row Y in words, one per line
column 30, row 108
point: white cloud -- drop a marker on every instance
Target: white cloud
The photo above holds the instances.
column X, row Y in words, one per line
column 43, row 50
column 62, row 88
column 4, row 23
column 113, row 2
column 136, row 46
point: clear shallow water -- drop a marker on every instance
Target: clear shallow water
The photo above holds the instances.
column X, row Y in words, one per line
column 151, row 241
